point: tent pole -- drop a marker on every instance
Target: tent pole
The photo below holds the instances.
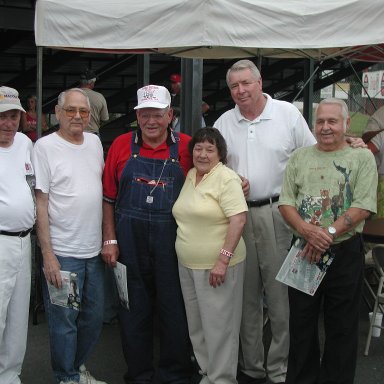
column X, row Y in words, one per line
column 142, row 70
column 191, row 95
column 259, row 60
column 39, row 88
column 308, row 92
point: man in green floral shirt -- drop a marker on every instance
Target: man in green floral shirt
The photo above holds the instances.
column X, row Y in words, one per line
column 329, row 190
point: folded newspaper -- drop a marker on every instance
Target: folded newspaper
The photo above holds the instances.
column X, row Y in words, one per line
column 68, row 295
column 299, row 273
column 120, row 272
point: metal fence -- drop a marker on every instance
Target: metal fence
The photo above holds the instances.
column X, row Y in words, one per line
column 363, row 93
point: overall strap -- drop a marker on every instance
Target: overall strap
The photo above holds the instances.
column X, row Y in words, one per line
column 174, row 147
column 135, row 148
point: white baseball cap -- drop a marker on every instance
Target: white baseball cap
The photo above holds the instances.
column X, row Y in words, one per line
column 9, row 99
column 153, row 96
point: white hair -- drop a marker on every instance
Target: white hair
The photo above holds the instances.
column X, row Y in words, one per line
column 62, row 96
column 241, row 65
column 343, row 106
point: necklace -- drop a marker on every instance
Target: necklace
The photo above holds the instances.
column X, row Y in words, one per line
column 150, row 197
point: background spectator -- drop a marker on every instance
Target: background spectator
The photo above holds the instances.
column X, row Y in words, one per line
column 29, row 119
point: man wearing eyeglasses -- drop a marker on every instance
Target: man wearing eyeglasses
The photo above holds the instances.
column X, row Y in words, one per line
column 69, row 165
column 143, row 176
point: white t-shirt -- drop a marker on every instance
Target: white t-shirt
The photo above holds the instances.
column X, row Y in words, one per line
column 259, row 150
column 71, row 175
column 17, row 209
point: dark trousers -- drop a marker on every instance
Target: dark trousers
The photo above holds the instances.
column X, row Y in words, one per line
column 148, row 250
column 340, row 292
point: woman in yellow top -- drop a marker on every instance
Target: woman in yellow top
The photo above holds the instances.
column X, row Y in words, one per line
column 211, row 213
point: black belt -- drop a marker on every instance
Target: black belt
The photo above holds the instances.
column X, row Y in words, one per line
column 260, row 203
column 18, row 234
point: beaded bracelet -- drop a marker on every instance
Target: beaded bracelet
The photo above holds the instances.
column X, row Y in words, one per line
column 226, row 253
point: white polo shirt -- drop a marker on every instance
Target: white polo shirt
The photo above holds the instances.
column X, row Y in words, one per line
column 259, row 149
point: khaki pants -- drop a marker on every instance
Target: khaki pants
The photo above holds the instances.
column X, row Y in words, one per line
column 214, row 316
column 267, row 240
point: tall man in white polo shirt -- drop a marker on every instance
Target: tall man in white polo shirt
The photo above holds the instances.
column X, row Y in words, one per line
column 261, row 133
column 17, row 216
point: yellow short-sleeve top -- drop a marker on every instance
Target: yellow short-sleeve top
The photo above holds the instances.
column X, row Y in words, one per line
column 202, row 213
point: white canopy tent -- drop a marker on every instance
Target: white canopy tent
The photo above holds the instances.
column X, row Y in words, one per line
column 212, row 28
column 215, row 28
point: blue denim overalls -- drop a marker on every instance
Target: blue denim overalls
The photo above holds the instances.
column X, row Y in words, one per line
column 146, row 232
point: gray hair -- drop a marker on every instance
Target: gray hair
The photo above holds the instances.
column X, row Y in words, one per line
column 240, row 66
column 341, row 103
column 62, row 96
column 87, row 82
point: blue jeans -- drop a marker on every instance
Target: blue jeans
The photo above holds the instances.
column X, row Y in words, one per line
column 74, row 333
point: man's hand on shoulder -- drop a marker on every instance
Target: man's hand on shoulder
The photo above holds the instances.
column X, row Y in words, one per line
column 355, row 142
column 245, row 186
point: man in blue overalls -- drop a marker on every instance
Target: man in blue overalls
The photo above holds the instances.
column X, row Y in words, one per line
column 143, row 176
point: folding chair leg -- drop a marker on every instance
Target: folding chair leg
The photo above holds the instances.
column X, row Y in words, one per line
column 371, row 323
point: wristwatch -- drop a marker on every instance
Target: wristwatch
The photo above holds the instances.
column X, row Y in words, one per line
column 332, row 231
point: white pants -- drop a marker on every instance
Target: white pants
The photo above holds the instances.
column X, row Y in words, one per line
column 15, row 286
column 267, row 239
column 214, row 316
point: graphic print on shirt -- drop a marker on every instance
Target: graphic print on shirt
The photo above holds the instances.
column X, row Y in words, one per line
column 324, row 209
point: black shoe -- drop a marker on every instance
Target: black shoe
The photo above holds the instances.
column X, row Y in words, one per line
column 242, row 378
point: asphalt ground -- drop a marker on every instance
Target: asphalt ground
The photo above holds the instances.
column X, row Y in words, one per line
column 107, row 363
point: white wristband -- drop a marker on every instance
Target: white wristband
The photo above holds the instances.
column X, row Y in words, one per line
column 108, row 242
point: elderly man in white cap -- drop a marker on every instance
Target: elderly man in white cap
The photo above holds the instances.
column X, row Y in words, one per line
column 17, row 216
column 143, row 176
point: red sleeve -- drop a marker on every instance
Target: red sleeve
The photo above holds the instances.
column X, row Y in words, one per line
column 184, row 156
column 118, row 154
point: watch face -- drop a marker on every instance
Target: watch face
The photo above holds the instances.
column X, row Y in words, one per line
column 332, row 230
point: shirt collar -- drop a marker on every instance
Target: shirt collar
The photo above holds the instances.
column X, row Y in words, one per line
column 192, row 173
column 171, row 139
column 265, row 115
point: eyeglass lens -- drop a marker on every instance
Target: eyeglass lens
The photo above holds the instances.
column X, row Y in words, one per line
column 71, row 112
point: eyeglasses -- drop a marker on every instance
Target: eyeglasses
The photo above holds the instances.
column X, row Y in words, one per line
column 72, row 112
column 154, row 116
